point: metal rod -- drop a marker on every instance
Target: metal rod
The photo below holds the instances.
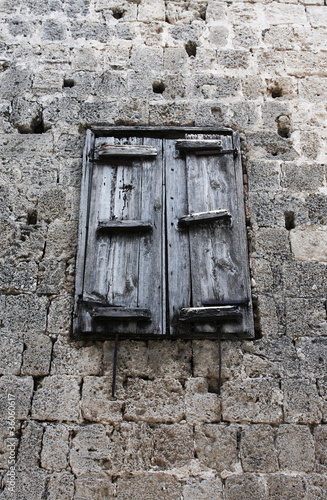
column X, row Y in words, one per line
column 219, row 357
column 114, row 369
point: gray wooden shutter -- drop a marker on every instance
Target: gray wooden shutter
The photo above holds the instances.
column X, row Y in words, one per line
column 207, row 260
column 120, row 290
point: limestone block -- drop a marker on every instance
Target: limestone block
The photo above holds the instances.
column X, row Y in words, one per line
column 305, row 317
column 173, row 445
column 132, row 358
column 206, row 356
column 55, row 447
column 168, row 114
column 201, row 406
column 280, row 37
column 145, row 59
column 90, row 449
column 25, row 115
column 37, row 354
column 213, row 86
column 151, row 10
column 305, row 63
column 277, row 13
column 302, row 404
column 97, row 403
column 76, row 358
column 277, row 358
column 270, row 323
column 244, row 116
column 11, row 348
column 233, row 58
column 22, row 390
column 264, row 277
column 216, row 446
column 14, row 82
column 170, row 359
column 125, row 31
column 22, row 146
column 218, row 36
column 51, row 203
column 312, row 353
column 282, row 87
column 30, row 447
column 95, row 485
column 305, row 279
column 91, row 31
column 258, row 453
column 272, row 242
column 60, row 315
column 271, row 110
column 246, row 37
column 51, row 277
column 61, row 242
column 295, row 447
column 269, row 145
column 263, row 175
column 99, row 112
column 317, row 16
column 17, row 277
column 57, row 398
column 84, row 59
column 52, row 30
column 175, row 58
column 253, row 86
column 216, row 11
column 320, row 435
column 311, row 89
column 207, row 489
column 30, row 485
column 147, row 486
column 317, row 204
column 189, row 32
column 316, row 487
column 154, row 401
column 302, row 177
column 243, row 487
column 61, row 486
column 322, row 390
column 257, row 400
column 291, row 486
column 110, row 83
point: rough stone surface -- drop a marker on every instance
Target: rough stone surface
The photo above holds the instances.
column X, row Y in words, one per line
column 256, row 66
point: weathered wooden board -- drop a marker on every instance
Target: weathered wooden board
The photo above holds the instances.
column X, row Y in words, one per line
column 209, row 313
column 124, row 225
column 198, row 144
column 121, row 313
column 204, row 217
column 107, row 149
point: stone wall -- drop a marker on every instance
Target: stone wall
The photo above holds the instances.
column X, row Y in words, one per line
column 257, row 66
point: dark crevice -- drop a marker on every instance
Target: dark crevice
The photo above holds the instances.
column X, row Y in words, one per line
column 190, row 48
column 68, row 82
column 32, row 217
column 289, row 220
column 158, row 87
column 118, row 13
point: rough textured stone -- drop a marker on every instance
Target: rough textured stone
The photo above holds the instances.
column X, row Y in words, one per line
column 216, row 447
column 76, row 358
column 320, row 435
column 305, row 317
column 243, row 487
column 258, row 453
column 295, row 447
column 149, row 486
column 200, row 404
column 11, row 347
column 22, row 390
column 208, row 489
column 55, row 447
column 57, row 398
column 95, row 485
column 29, row 451
column 97, row 403
column 61, row 486
column 301, row 401
column 292, row 487
column 36, row 355
column 309, row 243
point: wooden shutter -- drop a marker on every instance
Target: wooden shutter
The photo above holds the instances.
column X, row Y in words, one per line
column 207, row 260
column 120, row 290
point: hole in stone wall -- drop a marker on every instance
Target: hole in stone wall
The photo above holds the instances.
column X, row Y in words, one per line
column 289, row 220
column 117, row 13
column 190, row 48
column 275, row 91
column 68, row 82
column 213, row 385
column 158, row 87
column 284, row 126
column 203, row 12
column 31, row 217
column 36, row 125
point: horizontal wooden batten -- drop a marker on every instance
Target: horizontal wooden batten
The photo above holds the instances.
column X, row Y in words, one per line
column 109, row 226
column 126, row 151
column 189, row 314
column 198, row 144
column 120, row 313
column 204, row 217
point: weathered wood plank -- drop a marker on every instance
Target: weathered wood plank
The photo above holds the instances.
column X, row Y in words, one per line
column 106, row 150
column 121, row 313
column 109, row 226
column 198, row 144
column 178, row 252
column 204, row 217
column 191, row 314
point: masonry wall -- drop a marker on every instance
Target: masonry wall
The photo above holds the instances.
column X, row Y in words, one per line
column 255, row 66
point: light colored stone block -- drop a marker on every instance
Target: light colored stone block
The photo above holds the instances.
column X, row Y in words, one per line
column 309, row 243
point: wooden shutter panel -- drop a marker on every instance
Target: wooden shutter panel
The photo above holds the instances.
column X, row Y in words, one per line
column 121, row 290
column 208, row 274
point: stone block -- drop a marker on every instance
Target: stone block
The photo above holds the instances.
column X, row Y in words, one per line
column 60, row 314
column 216, row 447
column 89, row 450
column 212, row 86
column 125, row 31
column 305, row 279
column 316, row 487
column 147, row 486
column 302, row 177
column 29, row 451
column 11, row 347
column 276, row 14
column 270, row 145
column 57, row 398
column 305, row 317
column 291, row 486
column 91, row 31
column 312, row 353
column 236, row 59
column 25, row 115
column 322, row 390
column 97, row 403
column 306, row 63
column 168, row 114
column 218, row 36
column 271, row 357
column 189, row 32
column 30, row 485
column 206, row 356
column 246, row 37
column 110, row 83
column 51, row 204
column 84, row 59
column 17, row 277
column 264, row 280
column 154, row 401
column 310, row 88
column 320, row 435
column 52, row 30
column 15, row 82
column 270, row 322
column 273, row 242
column 173, row 446
column 263, row 175
column 253, row 87
column 317, row 206
column 61, row 241
column 61, row 486
column 95, row 485
column 258, row 453
column 317, row 16
column 132, row 359
column 37, row 354
column 257, row 400
column 272, row 110
column 302, row 404
column 144, row 59
column 55, row 447
column 310, row 144
column 174, row 58
column 76, row 358
column 170, row 359
column 295, row 447
column 201, row 406
column 243, row 487
column 207, row 489
column 21, row 388
column 151, row 10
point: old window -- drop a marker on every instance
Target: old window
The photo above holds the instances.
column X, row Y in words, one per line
column 162, row 238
